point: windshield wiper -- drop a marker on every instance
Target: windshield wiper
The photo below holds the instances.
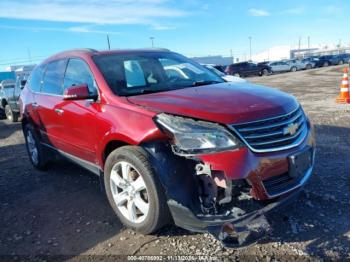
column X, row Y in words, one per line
column 144, row 91
column 203, row 83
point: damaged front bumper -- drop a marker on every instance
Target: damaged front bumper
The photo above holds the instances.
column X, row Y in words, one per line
column 236, row 220
column 232, row 232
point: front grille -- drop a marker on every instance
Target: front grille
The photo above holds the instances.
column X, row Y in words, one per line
column 275, row 133
column 278, row 184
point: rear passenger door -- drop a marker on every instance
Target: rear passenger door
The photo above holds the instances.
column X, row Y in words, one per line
column 79, row 116
column 47, row 103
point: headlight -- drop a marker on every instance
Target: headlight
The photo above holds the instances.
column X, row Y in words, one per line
column 195, row 137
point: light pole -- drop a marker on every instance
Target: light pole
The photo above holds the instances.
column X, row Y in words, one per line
column 152, row 41
column 250, row 48
column 108, row 43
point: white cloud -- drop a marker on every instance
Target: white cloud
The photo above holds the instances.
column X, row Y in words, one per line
column 295, row 11
column 162, row 27
column 258, row 12
column 90, row 11
column 74, row 29
column 333, row 10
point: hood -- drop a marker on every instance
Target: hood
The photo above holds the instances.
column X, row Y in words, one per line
column 226, row 103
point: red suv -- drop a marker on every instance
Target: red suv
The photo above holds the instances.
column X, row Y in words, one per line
column 169, row 139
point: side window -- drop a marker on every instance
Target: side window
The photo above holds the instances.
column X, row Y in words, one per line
column 36, row 77
column 134, row 74
column 78, row 73
column 53, row 77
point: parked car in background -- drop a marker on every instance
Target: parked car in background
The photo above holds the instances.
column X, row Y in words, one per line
column 194, row 151
column 228, row 78
column 324, row 61
column 310, row 62
column 282, row 66
column 340, row 59
column 263, row 63
column 301, row 64
column 247, row 69
column 9, row 95
column 221, row 68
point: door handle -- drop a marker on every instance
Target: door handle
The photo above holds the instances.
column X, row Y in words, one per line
column 59, row 111
column 35, row 105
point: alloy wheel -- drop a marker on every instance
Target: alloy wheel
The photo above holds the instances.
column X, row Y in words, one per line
column 32, row 148
column 129, row 192
column 8, row 113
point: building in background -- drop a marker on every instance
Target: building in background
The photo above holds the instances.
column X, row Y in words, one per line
column 21, row 70
column 12, row 72
column 217, row 60
column 7, row 76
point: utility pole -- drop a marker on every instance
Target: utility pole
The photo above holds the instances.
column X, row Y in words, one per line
column 299, row 46
column 250, row 48
column 152, row 41
column 232, row 59
column 108, row 43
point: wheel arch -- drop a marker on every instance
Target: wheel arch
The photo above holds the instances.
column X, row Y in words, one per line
column 3, row 102
column 111, row 146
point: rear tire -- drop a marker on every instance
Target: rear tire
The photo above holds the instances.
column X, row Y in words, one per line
column 38, row 155
column 308, row 66
column 264, row 72
column 293, row 69
column 10, row 115
column 325, row 64
column 341, row 62
column 143, row 209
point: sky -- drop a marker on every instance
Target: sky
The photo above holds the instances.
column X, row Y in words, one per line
column 35, row 29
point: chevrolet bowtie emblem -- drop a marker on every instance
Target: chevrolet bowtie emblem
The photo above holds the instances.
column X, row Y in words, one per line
column 291, row 129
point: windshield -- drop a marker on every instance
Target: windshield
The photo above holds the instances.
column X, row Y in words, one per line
column 151, row 72
column 215, row 71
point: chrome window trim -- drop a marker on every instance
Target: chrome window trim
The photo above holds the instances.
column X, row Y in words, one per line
column 55, row 95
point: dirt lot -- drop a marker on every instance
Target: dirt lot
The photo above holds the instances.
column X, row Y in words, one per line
column 62, row 212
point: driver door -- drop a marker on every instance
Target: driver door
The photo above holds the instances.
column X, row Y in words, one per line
column 79, row 116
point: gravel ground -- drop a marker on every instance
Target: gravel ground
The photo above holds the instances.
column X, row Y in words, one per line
column 62, row 212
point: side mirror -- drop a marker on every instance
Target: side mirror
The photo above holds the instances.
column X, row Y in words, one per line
column 78, row 92
column 23, row 83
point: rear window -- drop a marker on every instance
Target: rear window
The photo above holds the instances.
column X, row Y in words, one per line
column 53, row 78
column 35, row 78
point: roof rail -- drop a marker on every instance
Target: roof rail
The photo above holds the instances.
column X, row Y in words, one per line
column 82, row 50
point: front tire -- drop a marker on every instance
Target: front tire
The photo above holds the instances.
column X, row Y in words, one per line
column 325, row 64
column 341, row 62
column 308, row 66
column 293, row 69
column 134, row 190
column 10, row 115
column 36, row 152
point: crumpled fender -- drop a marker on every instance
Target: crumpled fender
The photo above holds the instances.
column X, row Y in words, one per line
column 175, row 173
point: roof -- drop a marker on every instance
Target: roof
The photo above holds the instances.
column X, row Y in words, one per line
column 90, row 52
